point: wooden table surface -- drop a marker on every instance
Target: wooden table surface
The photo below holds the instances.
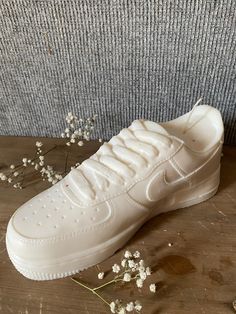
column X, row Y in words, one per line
column 197, row 274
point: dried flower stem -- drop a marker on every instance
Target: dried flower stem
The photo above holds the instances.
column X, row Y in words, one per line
column 77, row 131
column 90, row 289
column 20, row 173
column 66, row 161
column 116, row 279
column 108, row 283
column 19, row 166
column 94, row 290
column 132, row 268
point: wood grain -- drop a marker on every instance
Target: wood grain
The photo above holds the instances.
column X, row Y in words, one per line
column 197, row 274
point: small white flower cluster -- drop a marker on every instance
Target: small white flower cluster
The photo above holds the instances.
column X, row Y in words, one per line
column 131, row 268
column 3, row 177
column 47, row 172
column 116, row 268
column 38, row 145
column 78, row 129
column 26, row 161
column 50, row 175
column 118, row 307
column 152, row 287
column 101, row 275
column 15, row 174
column 11, row 177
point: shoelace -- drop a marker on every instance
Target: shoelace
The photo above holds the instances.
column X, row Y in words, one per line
column 186, row 125
column 119, row 159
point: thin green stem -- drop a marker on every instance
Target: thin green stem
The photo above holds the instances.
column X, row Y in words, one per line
column 107, row 283
column 100, row 297
column 118, row 278
column 81, row 284
column 92, row 290
column 67, row 155
column 19, row 166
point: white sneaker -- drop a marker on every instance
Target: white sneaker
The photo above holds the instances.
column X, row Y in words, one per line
column 145, row 170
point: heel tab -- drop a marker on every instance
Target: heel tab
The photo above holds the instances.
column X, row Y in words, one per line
column 214, row 115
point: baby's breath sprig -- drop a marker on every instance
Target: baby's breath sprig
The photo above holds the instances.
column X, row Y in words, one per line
column 78, row 130
column 15, row 174
column 132, row 268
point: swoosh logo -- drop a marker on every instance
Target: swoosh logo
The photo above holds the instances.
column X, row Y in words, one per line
column 158, row 187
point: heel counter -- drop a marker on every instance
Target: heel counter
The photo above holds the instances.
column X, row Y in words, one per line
column 211, row 166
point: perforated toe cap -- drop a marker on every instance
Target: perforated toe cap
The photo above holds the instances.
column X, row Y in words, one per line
column 51, row 224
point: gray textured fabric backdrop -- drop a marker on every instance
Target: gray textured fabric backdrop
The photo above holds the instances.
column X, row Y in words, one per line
column 122, row 59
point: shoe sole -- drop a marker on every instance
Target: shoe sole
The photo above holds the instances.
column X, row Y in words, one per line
column 71, row 265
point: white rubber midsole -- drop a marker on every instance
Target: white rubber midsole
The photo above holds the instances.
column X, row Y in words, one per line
column 70, row 265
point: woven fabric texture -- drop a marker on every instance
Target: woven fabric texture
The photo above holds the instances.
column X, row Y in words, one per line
column 121, row 59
